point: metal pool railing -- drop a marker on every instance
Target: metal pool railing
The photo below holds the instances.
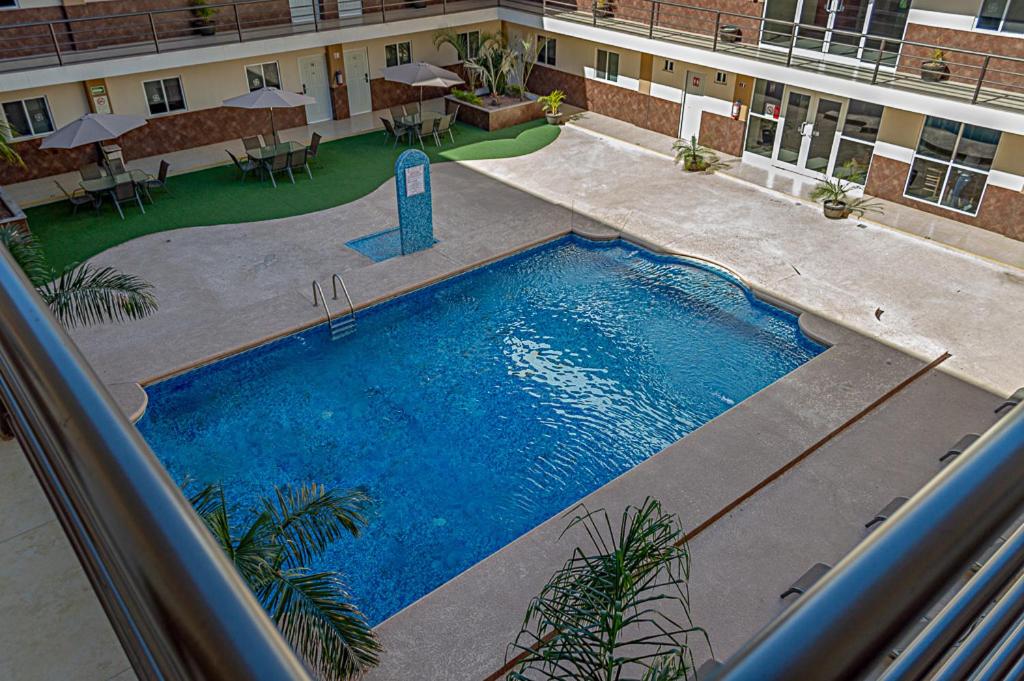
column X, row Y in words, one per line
column 175, row 602
column 844, row 627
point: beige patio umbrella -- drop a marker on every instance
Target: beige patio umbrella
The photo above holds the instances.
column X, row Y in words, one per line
column 421, row 74
column 92, row 128
column 270, row 98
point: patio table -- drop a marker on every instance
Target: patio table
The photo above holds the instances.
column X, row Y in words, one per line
column 267, row 153
column 408, row 124
column 106, row 183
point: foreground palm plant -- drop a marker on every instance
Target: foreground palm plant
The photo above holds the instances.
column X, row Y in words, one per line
column 82, row 294
column 620, row 608
column 493, row 64
column 272, row 554
column 694, row 157
column 7, row 151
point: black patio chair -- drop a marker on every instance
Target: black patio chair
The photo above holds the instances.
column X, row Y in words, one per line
column 427, row 129
column 886, row 512
column 390, row 131
column 90, row 171
column 807, row 579
column 314, row 147
column 455, row 117
column 115, row 166
column 444, row 125
column 244, row 167
column 126, row 192
column 77, row 198
column 158, row 182
column 297, row 161
column 252, row 144
column 277, row 164
column 958, row 449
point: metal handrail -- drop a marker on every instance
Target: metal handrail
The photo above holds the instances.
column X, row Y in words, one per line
column 318, row 290
column 176, row 603
column 842, row 626
column 335, row 280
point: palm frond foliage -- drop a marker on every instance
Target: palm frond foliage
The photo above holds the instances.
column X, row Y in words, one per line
column 695, row 157
column 312, row 609
column 7, row 151
column 619, row 607
column 82, row 294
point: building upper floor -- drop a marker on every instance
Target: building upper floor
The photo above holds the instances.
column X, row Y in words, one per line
column 877, row 47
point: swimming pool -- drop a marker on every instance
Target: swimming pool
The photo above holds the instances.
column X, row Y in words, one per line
column 474, row 409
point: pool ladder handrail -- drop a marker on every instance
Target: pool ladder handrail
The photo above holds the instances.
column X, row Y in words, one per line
column 339, row 326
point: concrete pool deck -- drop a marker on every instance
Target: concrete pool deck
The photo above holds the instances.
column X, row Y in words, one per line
column 227, row 287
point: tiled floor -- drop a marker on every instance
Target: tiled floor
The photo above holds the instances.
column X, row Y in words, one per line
column 53, row 626
column 904, row 218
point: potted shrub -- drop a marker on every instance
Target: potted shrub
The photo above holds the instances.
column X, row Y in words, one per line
column 603, row 8
column 832, row 193
column 730, row 33
column 935, row 70
column 694, row 157
column 551, row 103
column 204, row 21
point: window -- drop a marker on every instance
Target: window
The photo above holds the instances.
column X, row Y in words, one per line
column 546, row 53
column 471, row 43
column 164, row 96
column 607, row 65
column 399, row 53
column 1002, row 15
column 857, row 141
column 28, row 117
column 763, row 121
column 263, row 75
column 669, row 66
column 8, row 4
column 721, row 78
column 951, row 164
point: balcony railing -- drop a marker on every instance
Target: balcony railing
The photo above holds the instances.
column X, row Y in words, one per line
column 177, row 605
column 850, row 621
column 977, row 77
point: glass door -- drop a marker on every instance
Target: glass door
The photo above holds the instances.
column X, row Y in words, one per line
column 836, row 27
column 810, row 131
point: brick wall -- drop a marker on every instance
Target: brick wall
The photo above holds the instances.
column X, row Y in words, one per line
column 999, row 212
column 160, row 136
column 385, row 94
column 722, row 133
column 966, row 67
column 699, row 16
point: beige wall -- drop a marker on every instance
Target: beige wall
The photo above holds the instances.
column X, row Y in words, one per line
column 962, row 7
column 67, row 102
column 205, row 85
column 422, row 47
column 1010, row 154
column 579, row 57
column 677, row 78
column 899, row 127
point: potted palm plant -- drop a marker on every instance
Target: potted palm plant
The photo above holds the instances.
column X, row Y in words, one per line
column 551, row 103
column 832, row 194
column 204, row 21
column 934, row 70
column 694, row 157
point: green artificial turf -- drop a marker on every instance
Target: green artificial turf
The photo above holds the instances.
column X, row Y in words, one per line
column 347, row 169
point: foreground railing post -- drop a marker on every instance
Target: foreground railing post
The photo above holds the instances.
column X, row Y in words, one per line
column 56, row 45
column 650, row 29
column 843, row 625
column 152, row 27
column 238, row 22
column 718, row 27
column 878, row 62
column 593, row 10
column 176, row 603
column 793, row 28
column 981, row 79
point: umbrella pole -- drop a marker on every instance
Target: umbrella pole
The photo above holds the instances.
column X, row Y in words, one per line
column 273, row 128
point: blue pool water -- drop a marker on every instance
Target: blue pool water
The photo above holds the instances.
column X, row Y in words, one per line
column 475, row 409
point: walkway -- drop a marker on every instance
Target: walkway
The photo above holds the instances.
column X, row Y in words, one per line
column 790, row 185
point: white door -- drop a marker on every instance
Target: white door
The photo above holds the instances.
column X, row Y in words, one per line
column 302, row 11
column 693, row 105
column 357, row 77
column 809, row 135
column 313, row 75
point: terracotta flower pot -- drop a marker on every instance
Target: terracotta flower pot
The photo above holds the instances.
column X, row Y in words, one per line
column 934, row 71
